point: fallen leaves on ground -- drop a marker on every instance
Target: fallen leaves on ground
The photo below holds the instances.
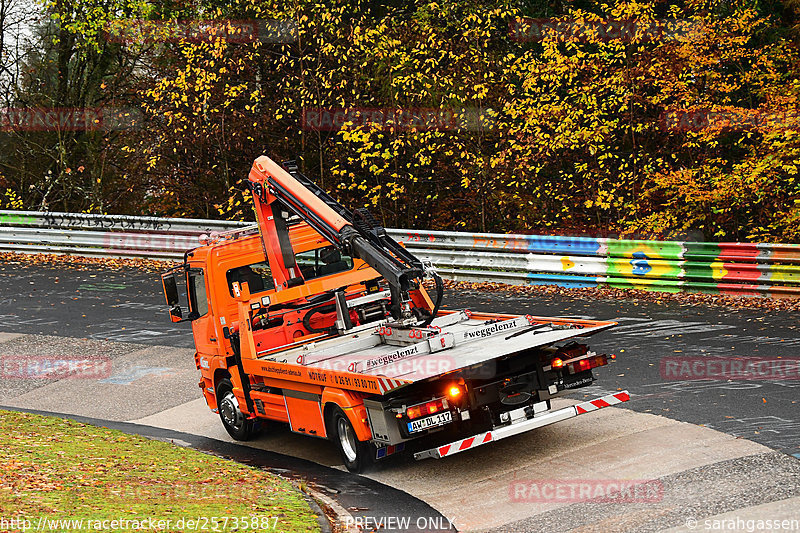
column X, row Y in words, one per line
column 78, row 262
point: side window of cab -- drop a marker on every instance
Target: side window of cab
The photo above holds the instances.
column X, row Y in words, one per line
column 257, row 276
column 198, row 297
column 323, row 262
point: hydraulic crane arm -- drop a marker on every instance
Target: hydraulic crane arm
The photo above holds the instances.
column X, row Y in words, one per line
column 278, row 190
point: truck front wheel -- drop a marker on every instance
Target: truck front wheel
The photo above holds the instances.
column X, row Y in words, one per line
column 235, row 421
column 356, row 455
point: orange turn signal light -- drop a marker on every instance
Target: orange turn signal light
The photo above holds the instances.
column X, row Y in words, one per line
column 454, row 392
column 557, row 363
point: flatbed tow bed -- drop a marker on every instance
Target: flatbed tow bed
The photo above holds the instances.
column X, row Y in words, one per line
column 340, row 339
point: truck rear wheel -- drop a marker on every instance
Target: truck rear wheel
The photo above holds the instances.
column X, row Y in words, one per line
column 356, row 455
column 233, row 419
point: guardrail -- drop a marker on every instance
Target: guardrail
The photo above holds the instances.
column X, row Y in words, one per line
column 728, row 268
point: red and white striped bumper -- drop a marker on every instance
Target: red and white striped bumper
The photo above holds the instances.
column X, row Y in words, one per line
column 604, row 401
column 544, row 419
column 386, row 384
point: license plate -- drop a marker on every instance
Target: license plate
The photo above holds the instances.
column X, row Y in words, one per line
column 445, row 417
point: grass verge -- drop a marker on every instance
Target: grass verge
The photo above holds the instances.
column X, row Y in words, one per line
column 53, row 469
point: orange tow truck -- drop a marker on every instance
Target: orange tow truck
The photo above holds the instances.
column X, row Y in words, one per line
column 315, row 317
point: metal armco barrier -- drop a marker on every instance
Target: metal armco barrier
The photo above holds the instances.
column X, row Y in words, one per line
column 728, row 268
column 104, row 235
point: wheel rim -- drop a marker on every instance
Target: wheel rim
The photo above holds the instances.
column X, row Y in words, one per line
column 231, row 415
column 347, row 438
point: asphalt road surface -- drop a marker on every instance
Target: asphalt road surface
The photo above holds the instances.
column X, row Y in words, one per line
column 656, row 344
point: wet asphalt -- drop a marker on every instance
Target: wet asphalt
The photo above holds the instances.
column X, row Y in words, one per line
column 657, row 344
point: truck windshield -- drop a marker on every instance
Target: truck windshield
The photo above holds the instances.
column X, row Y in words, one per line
column 322, row 262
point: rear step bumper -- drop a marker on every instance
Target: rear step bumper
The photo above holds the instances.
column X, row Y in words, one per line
column 502, row 432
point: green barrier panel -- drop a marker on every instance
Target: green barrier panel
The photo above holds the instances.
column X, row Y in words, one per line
column 696, row 270
column 702, row 263
column 647, row 261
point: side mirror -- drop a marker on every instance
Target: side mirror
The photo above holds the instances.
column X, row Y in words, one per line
column 170, row 288
column 169, row 280
column 175, row 314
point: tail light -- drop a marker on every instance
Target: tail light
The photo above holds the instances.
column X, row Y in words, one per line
column 424, row 409
column 587, row 364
